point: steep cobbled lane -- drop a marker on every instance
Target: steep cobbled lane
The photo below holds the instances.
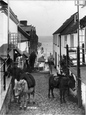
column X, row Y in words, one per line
column 45, row 106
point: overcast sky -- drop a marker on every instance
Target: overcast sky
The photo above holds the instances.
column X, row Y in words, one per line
column 46, row 16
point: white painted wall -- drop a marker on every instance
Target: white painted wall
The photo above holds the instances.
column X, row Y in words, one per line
column 23, row 46
column 1, row 29
column 83, row 88
column 55, row 46
column 4, row 27
column 63, row 50
column 82, row 12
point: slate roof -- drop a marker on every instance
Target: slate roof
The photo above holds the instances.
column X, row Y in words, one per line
column 26, row 54
column 28, row 28
column 2, row 2
column 65, row 24
column 25, row 34
column 69, row 26
column 71, row 29
column 83, row 22
column 5, row 9
column 3, row 50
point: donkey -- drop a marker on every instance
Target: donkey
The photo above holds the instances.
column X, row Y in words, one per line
column 63, row 83
column 23, row 83
column 23, row 88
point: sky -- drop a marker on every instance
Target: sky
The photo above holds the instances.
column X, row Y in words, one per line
column 45, row 16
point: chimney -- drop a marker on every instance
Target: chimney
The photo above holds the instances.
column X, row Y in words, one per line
column 23, row 22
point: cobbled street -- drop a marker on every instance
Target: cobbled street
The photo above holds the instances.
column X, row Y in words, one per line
column 43, row 105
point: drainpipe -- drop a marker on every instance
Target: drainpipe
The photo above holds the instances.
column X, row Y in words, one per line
column 78, row 62
column 8, row 27
column 60, row 49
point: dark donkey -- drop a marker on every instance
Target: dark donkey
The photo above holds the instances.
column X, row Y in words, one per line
column 63, row 83
column 23, row 84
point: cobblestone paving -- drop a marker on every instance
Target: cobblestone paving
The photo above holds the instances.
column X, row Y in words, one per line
column 45, row 106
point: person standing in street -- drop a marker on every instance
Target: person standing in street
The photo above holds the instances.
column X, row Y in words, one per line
column 32, row 59
column 50, row 62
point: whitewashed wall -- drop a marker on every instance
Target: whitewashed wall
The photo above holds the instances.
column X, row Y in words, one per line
column 63, row 50
column 23, row 46
column 3, row 29
column 83, row 88
column 82, row 12
column 56, row 48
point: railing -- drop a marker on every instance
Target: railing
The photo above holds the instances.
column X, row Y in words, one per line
column 3, row 79
column 73, row 55
column 5, row 83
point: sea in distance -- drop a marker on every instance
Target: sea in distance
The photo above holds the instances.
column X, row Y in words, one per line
column 47, row 44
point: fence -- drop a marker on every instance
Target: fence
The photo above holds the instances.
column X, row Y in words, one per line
column 79, row 58
column 72, row 53
column 4, row 80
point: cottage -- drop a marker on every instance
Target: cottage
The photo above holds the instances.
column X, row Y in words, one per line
column 16, row 36
column 31, row 31
column 67, row 35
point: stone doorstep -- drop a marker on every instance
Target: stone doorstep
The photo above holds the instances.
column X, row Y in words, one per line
column 3, row 93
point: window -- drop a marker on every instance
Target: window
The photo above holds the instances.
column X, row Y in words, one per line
column 56, row 58
column 71, row 40
column 58, row 42
column 65, row 40
column 55, row 40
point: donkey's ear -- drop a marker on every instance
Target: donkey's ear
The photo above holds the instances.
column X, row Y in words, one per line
column 16, row 81
column 23, row 82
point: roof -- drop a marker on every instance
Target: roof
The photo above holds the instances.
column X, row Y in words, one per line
column 3, row 50
column 82, row 72
column 72, row 28
column 5, row 10
column 26, row 54
column 24, row 34
column 19, row 52
column 83, row 22
column 28, row 28
column 69, row 26
column 2, row 2
column 41, row 59
column 65, row 24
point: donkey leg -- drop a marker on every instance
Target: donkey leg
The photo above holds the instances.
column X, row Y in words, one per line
column 28, row 97
column 52, row 92
column 64, row 95
column 61, row 95
column 68, row 91
column 49, row 92
column 21, row 102
column 33, row 95
column 25, row 100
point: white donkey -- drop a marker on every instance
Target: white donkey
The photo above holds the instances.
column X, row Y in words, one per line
column 23, row 88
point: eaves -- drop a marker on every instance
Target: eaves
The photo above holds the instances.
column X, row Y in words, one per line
column 12, row 16
column 24, row 34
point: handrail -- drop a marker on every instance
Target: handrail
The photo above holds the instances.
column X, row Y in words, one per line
column 4, row 62
column 4, row 70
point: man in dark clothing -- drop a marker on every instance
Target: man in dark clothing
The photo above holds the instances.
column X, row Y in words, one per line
column 32, row 59
column 9, row 60
column 27, row 67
